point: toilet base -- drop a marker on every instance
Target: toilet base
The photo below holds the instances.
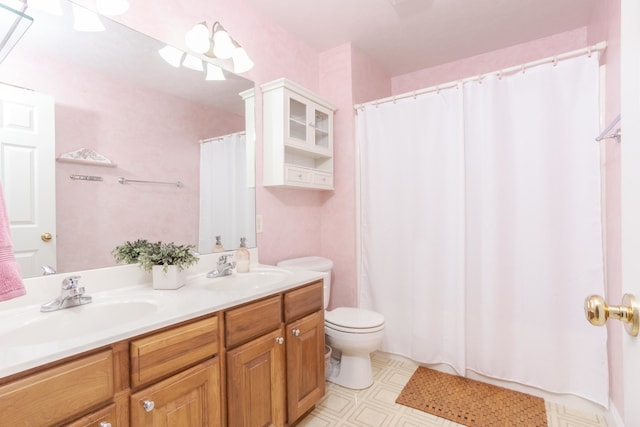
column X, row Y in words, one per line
column 353, row 372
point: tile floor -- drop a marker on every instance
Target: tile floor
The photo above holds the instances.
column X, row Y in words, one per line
column 376, row 407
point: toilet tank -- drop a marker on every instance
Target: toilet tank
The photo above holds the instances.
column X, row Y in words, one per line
column 313, row 263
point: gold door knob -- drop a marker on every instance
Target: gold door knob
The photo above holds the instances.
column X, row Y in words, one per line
column 598, row 312
column 46, row 237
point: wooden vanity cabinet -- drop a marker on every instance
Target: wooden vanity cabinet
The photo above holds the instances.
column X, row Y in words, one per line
column 60, row 393
column 190, row 398
column 187, row 395
column 257, row 364
column 106, row 417
column 304, row 317
column 275, row 358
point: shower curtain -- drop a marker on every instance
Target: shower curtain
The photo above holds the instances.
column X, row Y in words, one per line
column 226, row 198
column 481, row 227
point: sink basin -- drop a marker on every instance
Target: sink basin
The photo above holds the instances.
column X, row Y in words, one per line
column 30, row 326
column 256, row 279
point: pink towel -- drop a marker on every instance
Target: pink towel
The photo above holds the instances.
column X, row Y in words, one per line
column 11, row 285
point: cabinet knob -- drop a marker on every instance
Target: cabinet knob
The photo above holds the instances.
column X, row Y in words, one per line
column 104, row 424
column 295, row 332
column 280, row 340
column 148, row 405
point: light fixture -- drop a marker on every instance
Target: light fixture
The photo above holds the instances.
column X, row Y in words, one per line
column 241, row 61
column 172, row 55
column 192, row 62
column 217, row 44
column 112, row 7
column 214, row 72
column 85, row 19
column 222, row 44
column 197, row 38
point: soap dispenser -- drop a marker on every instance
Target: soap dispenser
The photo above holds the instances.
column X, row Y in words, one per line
column 242, row 257
column 218, row 247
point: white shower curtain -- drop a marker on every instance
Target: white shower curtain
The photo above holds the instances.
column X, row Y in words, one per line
column 226, row 199
column 491, row 272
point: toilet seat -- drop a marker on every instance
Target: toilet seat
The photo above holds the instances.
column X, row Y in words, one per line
column 354, row 320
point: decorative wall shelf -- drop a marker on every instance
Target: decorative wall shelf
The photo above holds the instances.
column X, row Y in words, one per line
column 86, row 156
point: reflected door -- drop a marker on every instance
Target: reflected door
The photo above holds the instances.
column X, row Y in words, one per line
column 27, row 174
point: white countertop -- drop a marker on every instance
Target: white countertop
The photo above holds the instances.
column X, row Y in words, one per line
column 124, row 305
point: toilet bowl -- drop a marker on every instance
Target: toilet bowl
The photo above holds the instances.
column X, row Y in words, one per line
column 353, row 333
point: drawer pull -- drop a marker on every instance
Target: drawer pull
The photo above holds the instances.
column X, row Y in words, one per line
column 296, row 332
column 280, row 340
column 104, row 424
column 148, row 405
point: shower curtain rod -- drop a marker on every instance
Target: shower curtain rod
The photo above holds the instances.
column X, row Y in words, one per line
column 499, row 73
column 218, row 138
column 616, row 135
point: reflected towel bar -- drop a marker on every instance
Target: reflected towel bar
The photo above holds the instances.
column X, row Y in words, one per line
column 616, row 135
column 122, row 180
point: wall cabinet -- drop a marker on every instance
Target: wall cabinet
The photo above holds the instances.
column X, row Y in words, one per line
column 298, row 137
column 258, row 364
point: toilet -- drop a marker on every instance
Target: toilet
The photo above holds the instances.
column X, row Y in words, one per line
column 353, row 333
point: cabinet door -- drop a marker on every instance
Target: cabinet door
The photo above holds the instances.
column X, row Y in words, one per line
column 298, row 120
column 305, row 364
column 322, row 128
column 255, row 382
column 190, row 398
column 103, row 418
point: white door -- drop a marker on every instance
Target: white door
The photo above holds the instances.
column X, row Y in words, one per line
column 27, row 175
column 630, row 155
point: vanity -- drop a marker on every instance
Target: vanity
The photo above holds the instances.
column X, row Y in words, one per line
column 242, row 350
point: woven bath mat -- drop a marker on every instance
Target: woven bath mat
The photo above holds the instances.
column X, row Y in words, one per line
column 471, row 403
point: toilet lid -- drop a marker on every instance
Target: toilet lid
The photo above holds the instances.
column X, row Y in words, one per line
column 353, row 318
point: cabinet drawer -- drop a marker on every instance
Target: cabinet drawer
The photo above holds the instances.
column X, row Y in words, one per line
column 297, row 175
column 252, row 320
column 59, row 393
column 170, row 351
column 300, row 302
column 322, row 179
column 105, row 415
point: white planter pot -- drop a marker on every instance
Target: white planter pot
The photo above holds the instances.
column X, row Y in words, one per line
column 171, row 279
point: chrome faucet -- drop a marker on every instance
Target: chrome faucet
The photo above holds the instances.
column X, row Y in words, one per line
column 223, row 268
column 47, row 270
column 71, row 295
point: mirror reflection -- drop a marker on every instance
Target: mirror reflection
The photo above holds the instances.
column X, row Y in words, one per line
column 115, row 98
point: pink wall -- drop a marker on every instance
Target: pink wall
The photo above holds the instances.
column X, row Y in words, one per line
column 490, row 62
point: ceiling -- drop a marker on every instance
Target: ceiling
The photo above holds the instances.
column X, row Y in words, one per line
column 409, row 35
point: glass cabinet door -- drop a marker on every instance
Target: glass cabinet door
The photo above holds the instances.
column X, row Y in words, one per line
column 321, row 129
column 297, row 120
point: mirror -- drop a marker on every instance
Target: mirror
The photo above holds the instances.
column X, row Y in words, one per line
column 116, row 96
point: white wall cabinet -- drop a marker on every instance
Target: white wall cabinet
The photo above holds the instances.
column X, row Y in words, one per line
column 298, row 137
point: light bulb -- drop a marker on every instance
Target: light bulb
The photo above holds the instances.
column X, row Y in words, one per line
column 241, row 60
column 112, row 7
column 172, row 55
column 85, row 19
column 197, row 38
column 214, row 72
column 222, row 44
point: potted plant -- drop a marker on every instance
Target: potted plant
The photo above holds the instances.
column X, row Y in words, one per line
column 129, row 252
column 165, row 261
